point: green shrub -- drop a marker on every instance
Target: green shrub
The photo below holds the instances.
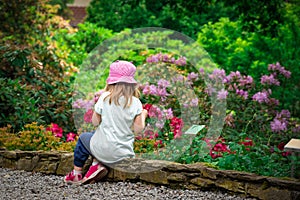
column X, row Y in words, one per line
column 32, row 58
column 18, row 104
column 81, row 41
column 181, row 16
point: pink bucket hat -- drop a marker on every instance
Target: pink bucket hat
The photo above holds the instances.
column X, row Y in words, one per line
column 121, row 71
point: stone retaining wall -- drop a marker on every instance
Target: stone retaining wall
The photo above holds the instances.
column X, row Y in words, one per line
column 192, row 176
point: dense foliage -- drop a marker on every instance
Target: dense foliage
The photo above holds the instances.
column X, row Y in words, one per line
column 31, row 63
column 258, row 69
column 183, row 16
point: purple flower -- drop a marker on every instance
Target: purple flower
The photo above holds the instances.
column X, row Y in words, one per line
column 245, row 80
column 146, row 89
column 153, row 89
column 278, row 68
column 218, row 74
column 278, row 126
column 162, row 92
column 201, row 71
column 269, row 80
column 233, row 76
column 194, row 102
column 180, row 61
column 86, row 104
column 192, row 76
column 242, row 93
column 284, row 114
column 178, row 78
column 222, row 94
column 163, row 83
column 261, row 97
column 169, row 113
column 159, row 124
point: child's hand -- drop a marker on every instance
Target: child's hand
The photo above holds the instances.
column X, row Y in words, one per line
column 145, row 113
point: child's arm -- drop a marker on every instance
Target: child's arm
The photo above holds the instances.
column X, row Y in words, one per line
column 139, row 122
column 96, row 119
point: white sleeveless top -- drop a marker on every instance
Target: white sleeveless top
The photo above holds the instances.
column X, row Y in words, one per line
column 113, row 139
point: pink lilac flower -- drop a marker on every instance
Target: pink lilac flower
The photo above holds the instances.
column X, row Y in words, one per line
column 181, row 61
column 222, row 94
column 283, row 114
column 168, row 113
column 155, row 112
column 218, row 74
column 245, row 81
column 86, row 104
column 71, row 137
column 210, row 90
column 233, row 76
column 278, row 125
column 160, row 124
column 153, row 90
column 278, row 68
column 201, row 72
column 261, row 97
column 178, row 78
column 269, row 80
column 242, row 93
column 194, row 102
column 162, row 92
column 192, row 76
column 296, row 129
column 163, row 83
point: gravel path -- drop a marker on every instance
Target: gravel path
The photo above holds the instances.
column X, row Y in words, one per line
column 27, row 185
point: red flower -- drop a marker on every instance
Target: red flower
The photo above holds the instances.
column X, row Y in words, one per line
column 248, row 143
column 56, row 130
column 158, row 143
column 281, row 148
column 176, row 126
column 88, row 116
column 147, row 106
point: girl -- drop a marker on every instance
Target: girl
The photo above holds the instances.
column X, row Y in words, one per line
column 118, row 113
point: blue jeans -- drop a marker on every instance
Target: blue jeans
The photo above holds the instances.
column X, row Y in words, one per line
column 82, row 149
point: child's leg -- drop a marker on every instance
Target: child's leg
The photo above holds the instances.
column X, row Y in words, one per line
column 81, row 154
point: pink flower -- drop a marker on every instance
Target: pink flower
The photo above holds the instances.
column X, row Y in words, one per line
column 71, row 137
column 261, row 97
column 278, row 125
column 88, row 116
column 269, row 80
column 163, row 83
column 56, row 130
column 176, row 126
column 222, row 94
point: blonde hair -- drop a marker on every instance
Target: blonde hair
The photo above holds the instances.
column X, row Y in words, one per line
column 128, row 90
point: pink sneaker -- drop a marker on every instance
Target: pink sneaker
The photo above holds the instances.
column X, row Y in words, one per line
column 94, row 174
column 73, row 179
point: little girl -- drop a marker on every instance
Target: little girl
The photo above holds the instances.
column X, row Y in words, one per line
column 118, row 114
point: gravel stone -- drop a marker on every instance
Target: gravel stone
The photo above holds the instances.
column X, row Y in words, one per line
column 17, row 184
